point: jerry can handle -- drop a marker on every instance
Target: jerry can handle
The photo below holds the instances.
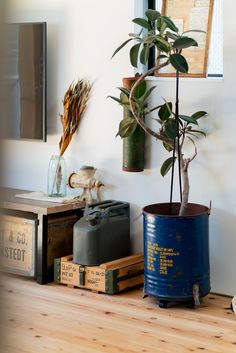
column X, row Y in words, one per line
column 122, row 207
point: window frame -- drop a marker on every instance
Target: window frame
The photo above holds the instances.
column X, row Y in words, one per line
column 152, row 5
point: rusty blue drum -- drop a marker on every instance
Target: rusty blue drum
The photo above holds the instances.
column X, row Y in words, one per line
column 176, row 252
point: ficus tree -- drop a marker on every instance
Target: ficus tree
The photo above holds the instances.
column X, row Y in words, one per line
column 174, row 129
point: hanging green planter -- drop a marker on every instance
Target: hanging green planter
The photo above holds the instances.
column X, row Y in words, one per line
column 130, row 131
column 134, row 144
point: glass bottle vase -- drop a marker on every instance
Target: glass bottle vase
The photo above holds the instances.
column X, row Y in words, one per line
column 57, row 177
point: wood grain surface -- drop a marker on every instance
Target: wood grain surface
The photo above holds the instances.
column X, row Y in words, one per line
column 10, row 202
column 55, row 318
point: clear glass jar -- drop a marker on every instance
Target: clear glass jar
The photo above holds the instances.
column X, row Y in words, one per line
column 57, row 177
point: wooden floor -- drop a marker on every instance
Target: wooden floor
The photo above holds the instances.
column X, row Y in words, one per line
column 55, row 318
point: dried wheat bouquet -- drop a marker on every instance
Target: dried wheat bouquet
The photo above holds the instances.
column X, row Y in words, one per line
column 75, row 104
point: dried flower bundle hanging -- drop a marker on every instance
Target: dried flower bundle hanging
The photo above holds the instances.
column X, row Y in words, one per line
column 75, row 104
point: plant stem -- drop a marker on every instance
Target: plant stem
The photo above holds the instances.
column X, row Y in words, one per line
column 184, row 164
column 186, row 187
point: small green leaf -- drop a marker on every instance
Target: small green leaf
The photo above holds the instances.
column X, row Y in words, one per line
column 190, row 139
column 157, row 120
column 162, row 41
column 162, row 56
column 149, row 38
column 124, row 90
column 115, row 99
column 199, row 115
column 165, row 111
column 189, row 133
column 134, row 35
column 166, row 166
column 124, row 98
column 169, row 105
column 163, row 28
column 199, row 132
column 134, row 54
column 159, row 23
column 142, row 22
column 184, row 42
column 152, row 15
column 171, row 35
column 162, row 47
column 188, row 119
column 170, row 24
column 144, row 54
column 121, row 46
column 140, row 89
column 179, row 62
column 147, row 94
column 194, row 30
column 167, row 147
column 171, row 129
column 127, row 127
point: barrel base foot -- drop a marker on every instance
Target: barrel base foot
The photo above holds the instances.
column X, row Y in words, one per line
column 163, row 304
column 191, row 304
column 144, row 295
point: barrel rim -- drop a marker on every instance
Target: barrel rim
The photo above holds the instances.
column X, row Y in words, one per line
column 193, row 209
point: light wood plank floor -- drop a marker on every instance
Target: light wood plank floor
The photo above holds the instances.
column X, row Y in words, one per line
column 54, row 318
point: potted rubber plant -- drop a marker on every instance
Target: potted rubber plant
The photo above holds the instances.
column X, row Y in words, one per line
column 176, row 245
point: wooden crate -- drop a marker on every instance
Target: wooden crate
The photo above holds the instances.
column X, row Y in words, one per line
column 111, row 277
column 17, row 245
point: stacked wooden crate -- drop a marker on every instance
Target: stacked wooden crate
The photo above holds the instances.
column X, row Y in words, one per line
column 111, row 277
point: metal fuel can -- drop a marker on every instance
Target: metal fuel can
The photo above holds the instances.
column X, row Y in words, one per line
column 102, row 234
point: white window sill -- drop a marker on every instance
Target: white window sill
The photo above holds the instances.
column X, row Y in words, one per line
column 188, row 79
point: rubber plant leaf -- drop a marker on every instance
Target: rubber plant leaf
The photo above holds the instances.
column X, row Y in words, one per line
column 144, row 54
column 142, row 22
column 115, row 99
column 184, row 42
column 166, row 166
column 126, row 91
column 152, row 15
column 124, row 99
column 165, row 111
column 199, row 132
column 188, row 119
column 171, row 129
column 179, row 62
column 149, row 91
column 199, row 115
column 127, row 127
column 134, row 55
column 140, row 90
column 170, row 24
column 121, row 46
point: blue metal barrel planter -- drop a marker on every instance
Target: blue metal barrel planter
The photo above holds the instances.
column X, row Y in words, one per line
column 176, row 252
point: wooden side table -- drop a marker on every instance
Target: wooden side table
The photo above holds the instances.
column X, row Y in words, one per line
column 32, row 252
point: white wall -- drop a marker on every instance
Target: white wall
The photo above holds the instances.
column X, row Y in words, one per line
column 82, row 36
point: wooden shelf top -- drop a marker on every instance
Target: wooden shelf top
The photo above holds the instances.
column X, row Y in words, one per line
column 10, row 202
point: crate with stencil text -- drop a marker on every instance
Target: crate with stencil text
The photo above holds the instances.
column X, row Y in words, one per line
column 111, row 277
column 17, row 244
